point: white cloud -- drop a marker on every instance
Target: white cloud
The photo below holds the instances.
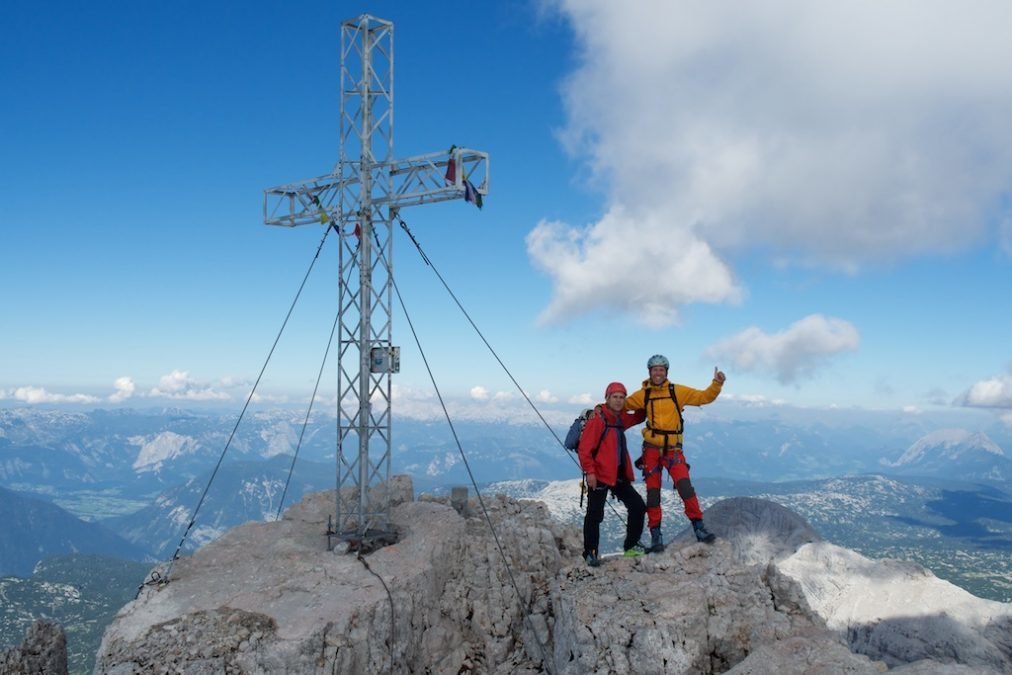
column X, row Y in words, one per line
column 400, row 392
column 124, row 387
column 754, row 400
column 231, row 382
column 179, row 385
column 601, row 266
column 582, row 399
column 414, row 402
column 504, row 396
column 479, row 393
column 995, row 392
column 35, row 395
column 792, row 353
column 829, row 133
column 545, row 396
column 320, row 400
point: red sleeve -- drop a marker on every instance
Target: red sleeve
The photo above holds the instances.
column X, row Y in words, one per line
column 631, row 418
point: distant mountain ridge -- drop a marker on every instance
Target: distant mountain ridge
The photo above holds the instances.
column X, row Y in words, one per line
column 81, row 592
column 142, row 472
column 140, row 453
column 34, row 529
column 955, row 452
column 241, row 492
column 962, row 533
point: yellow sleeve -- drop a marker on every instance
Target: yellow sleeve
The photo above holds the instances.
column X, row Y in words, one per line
column 634, row 401
column 689, row 396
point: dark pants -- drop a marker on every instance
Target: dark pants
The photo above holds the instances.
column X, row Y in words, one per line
column 596, row 498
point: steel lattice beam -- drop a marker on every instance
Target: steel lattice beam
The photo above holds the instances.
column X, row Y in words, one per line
column 361, row 197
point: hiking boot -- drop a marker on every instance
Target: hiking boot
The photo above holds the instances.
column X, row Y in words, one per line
column 656, row 540
column 635, row 551
column 592, row 560
column 702, row 534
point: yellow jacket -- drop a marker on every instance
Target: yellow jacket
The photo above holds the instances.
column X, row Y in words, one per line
column 663, row 414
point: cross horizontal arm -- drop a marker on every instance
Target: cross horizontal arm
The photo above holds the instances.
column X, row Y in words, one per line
column 422, row 179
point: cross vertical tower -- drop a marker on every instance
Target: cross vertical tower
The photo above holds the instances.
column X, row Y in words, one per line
column 361, row 198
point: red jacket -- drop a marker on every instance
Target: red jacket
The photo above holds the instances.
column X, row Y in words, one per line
column 605, row 463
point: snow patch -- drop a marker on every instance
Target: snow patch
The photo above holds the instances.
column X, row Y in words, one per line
column 165, row 446
column 949, row 443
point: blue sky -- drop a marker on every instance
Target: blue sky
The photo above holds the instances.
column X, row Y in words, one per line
column 812, row 196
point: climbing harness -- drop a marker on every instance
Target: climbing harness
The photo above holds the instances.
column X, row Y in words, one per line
column 664, row 432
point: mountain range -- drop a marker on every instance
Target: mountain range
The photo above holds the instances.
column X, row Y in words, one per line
column 34, row 530
column 240, row 492
column 141, row 473
column 125, row 483
column 81, row 592
column 119, row 457
column 499, row 586
column 960, row 531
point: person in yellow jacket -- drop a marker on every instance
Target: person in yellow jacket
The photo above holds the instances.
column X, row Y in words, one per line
column 663, row 403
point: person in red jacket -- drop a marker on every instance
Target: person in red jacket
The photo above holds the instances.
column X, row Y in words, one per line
column 605, row 460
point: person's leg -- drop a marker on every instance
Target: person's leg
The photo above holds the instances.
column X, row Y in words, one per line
column 633, row 502
column 680, row 475
column 592, row 520
column 652, row 477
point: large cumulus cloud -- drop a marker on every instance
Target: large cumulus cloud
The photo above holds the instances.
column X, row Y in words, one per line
column 831, row 133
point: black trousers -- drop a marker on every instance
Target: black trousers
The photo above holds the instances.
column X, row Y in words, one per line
column 596, row 498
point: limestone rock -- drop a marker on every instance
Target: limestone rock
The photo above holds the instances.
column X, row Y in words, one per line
column 43, row 652
column 496, row 586
column 900, row 613
column 759, row 530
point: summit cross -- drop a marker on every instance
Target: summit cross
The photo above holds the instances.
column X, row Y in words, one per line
column 361, row 199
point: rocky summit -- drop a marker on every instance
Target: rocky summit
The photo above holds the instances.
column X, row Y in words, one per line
column 494, row 585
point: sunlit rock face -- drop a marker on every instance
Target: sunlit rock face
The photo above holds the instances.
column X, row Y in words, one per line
column 44, row 650
column 495, row 585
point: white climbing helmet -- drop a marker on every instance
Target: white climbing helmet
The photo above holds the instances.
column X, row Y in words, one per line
column 658, row 360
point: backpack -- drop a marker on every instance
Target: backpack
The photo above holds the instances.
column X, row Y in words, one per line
column 572, row 441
